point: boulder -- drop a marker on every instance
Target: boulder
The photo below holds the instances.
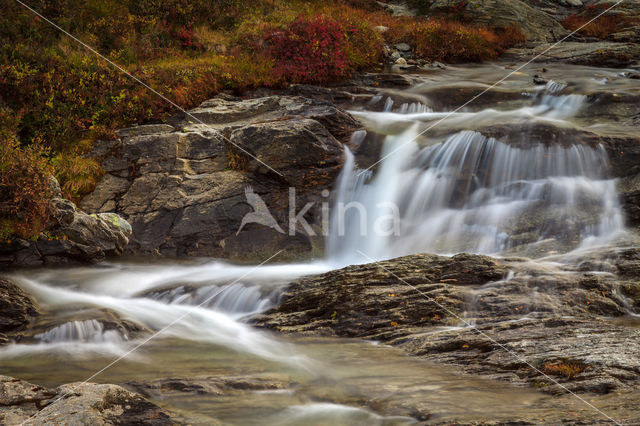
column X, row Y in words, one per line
column 72, row 237
column 16, row 309
column 301, row 150
column 76, row 403
column 534, row 24
column 184, row 187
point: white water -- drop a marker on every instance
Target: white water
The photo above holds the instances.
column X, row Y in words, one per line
column 83, row 331
column 469, row 192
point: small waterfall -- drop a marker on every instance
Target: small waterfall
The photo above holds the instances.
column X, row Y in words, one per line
column 475, row 194
column 232, row 298
column 561, row 106
column 89, row 331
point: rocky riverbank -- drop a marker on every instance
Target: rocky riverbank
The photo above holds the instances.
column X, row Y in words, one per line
column 547, row 325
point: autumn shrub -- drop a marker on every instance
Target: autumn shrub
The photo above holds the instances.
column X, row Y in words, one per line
column 364, row 45
column 449, row 41
column 509, row 36
column 566, row 368
column 601, row 27
column 309, row 50
column 24, row 189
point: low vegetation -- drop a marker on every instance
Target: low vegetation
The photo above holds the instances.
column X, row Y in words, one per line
column 56, row 98
column 586, row 24
column 564, row 368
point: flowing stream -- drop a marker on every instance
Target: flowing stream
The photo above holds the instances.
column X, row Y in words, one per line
column 443, row 193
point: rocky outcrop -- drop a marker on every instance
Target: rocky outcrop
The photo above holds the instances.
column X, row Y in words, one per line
column 16, row 309
column 600, row 53
column 534, row 24
column 72, row 237
column 76, row 403
column 518, row 310
column 553, row 355
column 186, row 188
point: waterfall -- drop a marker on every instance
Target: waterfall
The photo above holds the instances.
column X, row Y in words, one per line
column 474, row 194
column 82, row 331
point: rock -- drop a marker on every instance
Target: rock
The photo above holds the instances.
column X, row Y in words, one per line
column 224, row 385
column 76, row 403
column 534, row 24
column 395, row 56
column 602, row 53
column 399, row 9
column 634, row 76
column 403, row 47
column 55, row 186
column 381, row 29
column 183, row 189
column 16, row 309
column 20, row 399
column 555, row 347
column 228, row 114
column 108, row 233
column 325, row 304
column 539, row 80
column 73, row 237
column 401, row 61
column 574, row 3
column 542, row 314
column 302, row 150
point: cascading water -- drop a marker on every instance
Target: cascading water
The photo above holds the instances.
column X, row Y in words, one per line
column 475, row 194
column 82, row 331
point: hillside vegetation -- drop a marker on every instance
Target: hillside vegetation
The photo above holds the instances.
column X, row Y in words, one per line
column 56, row 98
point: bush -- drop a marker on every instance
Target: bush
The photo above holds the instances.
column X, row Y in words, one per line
column 452, row 41
column 24, row 189
column 309, row 50
column 600, row 28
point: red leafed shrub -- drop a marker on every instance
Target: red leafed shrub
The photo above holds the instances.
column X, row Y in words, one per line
column 309, row 50
column 509, row 36
column 601, row 27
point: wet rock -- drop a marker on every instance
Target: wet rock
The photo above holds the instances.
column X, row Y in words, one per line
column 554, row 355
column 20, row 400
column 534, row 24
column 515, row 304
column 16, row 309
column 225, row 385
column 369, row 302
column 76, row 403
column 403, row 47
column 539, row 80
